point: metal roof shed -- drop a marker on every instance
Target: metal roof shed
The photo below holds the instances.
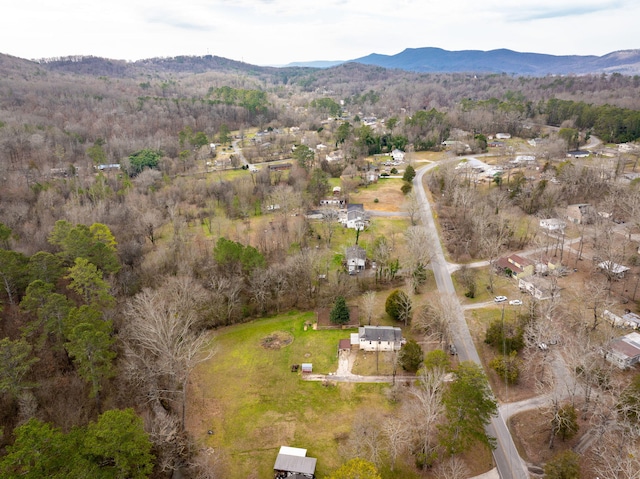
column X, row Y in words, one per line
column 302, row 465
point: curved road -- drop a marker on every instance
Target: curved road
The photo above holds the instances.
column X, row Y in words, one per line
column 507, row 459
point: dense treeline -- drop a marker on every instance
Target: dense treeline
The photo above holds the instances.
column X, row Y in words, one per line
column 610, row 123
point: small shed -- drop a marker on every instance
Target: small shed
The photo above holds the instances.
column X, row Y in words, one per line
column 307, row 367
column 344, row 345
column 293, row 462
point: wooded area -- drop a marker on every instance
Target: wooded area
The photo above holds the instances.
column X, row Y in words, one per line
column 130, row 227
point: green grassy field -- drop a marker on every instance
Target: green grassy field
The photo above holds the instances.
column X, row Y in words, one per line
column 248, row 396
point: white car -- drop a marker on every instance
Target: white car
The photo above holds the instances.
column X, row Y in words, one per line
column 515, row 302
column 500, row 299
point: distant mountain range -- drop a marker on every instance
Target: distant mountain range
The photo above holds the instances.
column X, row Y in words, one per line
column 437, row 60
column 419, row 60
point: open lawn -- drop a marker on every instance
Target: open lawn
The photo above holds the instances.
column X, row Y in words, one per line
column 501, row 286
column 386, row 190
column 252, row 402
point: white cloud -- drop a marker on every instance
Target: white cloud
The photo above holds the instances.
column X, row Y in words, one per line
column 281, row 31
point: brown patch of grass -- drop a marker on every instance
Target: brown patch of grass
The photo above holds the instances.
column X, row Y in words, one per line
column 387, row 191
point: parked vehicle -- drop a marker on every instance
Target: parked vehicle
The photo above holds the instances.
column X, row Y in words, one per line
column 500, row 299
column 515, row 302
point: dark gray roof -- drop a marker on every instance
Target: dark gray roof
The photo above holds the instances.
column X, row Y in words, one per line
column 356, row 252
column 382, row 333
column 303, row 465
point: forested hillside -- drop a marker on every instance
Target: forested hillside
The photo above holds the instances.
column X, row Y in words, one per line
column 131, row 226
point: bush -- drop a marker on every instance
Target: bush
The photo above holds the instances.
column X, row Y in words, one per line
column 564, row 465
column 406, row 188
column 398, row 306
column 507, row 367
column 505, row 336
column 411, row 356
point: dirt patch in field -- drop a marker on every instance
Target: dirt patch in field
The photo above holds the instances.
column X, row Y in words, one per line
column 277, row 340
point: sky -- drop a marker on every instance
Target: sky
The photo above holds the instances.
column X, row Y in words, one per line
column 278, row 32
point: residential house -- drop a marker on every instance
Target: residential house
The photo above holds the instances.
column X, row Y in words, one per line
column 578, row 154
column 553, row 224
column 624, row 352
column 545, row 264
column 627, row 320
column 397, row 155
column 495, row 144
column 612, row 270
column 292, row 462
column 371, row 176
column 334, row 201
column 473, row 164
column 523, row 160
column 520, row 267
column 334, row 156
column 280, row 166
column 109, row 166
column 379, row 338
column 356, row 259
column 580, row 213
column 537, row 142
column 539, row 288
column 356, row 218
column 503, row 136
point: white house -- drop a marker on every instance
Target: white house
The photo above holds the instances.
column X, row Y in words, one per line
column 538, row 287
column 578, row 154
column 356, row 259
column 553, row 224
column 380, row 338
column 356, row 217
column 397, row 155
column 503, row 136
column 624, row 352
column 523, row 160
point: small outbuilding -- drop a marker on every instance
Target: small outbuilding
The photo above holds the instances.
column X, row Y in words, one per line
column 613, row 270
column 307, row 367
column 292, row 462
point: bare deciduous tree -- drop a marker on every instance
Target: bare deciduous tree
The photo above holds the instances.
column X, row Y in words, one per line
column 162, row 340
column 452, row 468
column 426, row 410
column 397, row 437
column 368, row 303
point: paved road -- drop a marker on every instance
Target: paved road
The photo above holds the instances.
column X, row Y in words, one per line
column 507, row 459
